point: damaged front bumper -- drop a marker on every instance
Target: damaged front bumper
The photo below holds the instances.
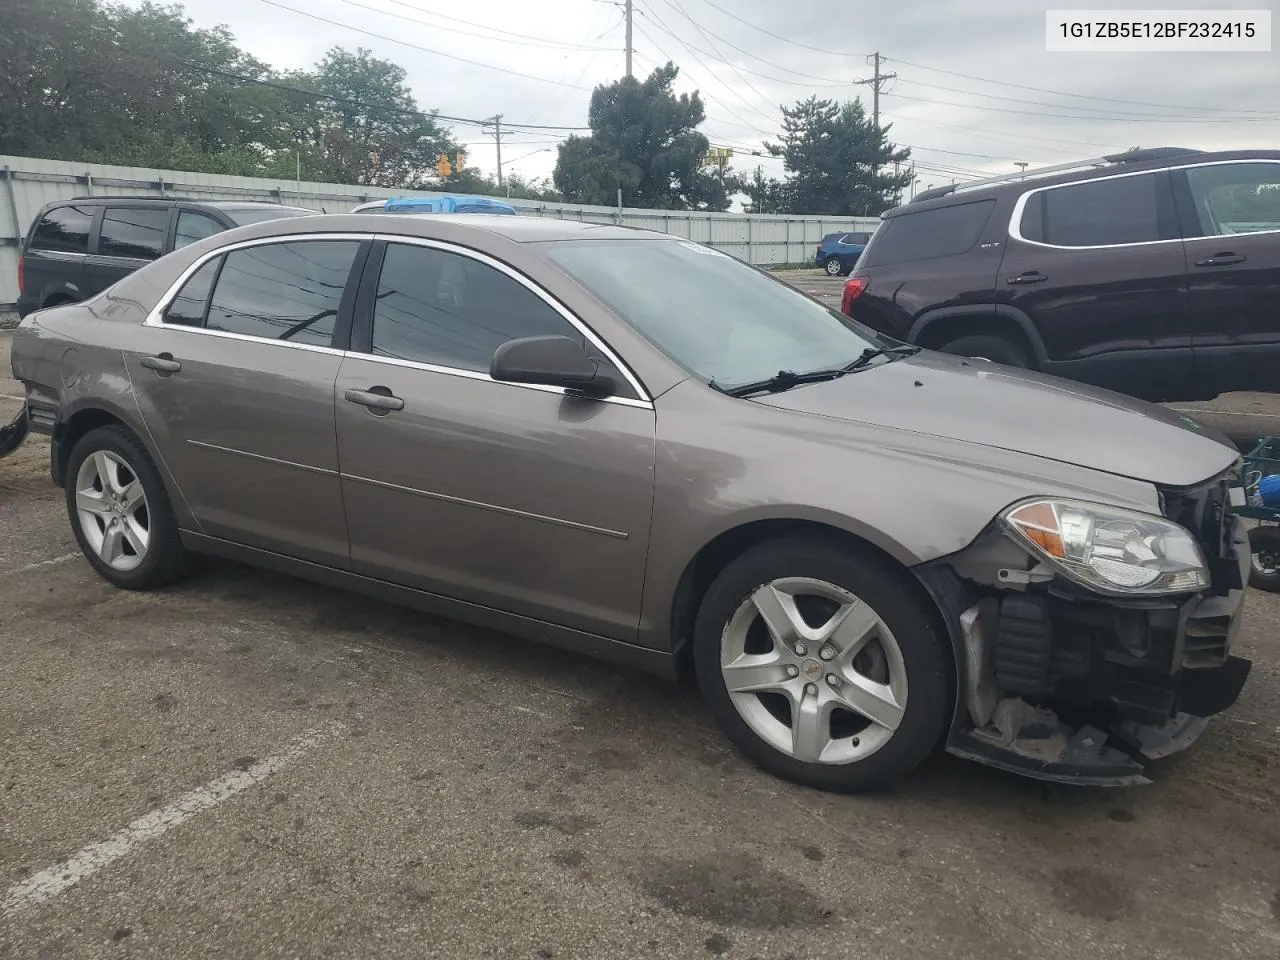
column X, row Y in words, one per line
column 11, row 436
column 1066, row 685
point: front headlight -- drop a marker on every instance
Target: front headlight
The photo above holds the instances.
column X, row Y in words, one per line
column 1105, row 548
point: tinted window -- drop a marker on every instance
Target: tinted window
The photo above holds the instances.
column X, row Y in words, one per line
column 942, row 232
column 1236, row 197
column 187, row 308
column 283, row 291
column 194, row 226
column 1123, row 210
column 65, row 229
column 446, row 309
column 133, row 232
column 710, row 312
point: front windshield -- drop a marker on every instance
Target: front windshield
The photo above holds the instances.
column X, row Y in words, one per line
column 712, row 314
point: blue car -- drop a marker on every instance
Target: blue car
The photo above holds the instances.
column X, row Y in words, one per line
column 456, row 203
column 838, row 252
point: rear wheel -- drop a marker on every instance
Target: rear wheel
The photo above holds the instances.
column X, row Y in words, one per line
column 834, row 267
column 822, row 666
column 120, row 512
column 987, row 347
column 1264, row 564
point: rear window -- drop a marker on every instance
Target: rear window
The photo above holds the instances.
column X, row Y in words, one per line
column 133, row 232
column 929, row 234
column 1098, row 214
column 63, row 229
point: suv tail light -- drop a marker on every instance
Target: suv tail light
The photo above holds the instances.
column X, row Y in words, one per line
column 22, row 276
column 854, row 287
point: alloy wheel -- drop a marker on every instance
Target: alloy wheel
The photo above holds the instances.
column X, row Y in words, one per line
column 814, row 671
column 112, row 510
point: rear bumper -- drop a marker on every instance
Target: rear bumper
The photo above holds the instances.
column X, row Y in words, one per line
column 1068, row 686
column 12, row 435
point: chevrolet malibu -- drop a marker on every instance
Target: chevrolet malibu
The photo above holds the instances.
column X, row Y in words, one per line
column 641, row 449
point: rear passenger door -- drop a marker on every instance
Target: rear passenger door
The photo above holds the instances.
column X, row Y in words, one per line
column 127, row 237
column 235, row 380
column 1231, row 219
column 1098, row 268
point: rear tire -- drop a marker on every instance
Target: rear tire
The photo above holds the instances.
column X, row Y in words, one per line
column 120, row 511
column 1264, row 562
column 834, row 267
column 804, row 696
column 987, row 347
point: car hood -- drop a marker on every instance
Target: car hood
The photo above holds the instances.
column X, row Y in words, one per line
column 973, row 401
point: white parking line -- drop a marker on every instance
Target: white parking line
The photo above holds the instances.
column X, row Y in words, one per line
column 48, row 563
column 89, row 860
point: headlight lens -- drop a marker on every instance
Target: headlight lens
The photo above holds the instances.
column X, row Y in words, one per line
column 1119, row 551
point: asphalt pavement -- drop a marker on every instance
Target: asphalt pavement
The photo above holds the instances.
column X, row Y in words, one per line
column 249, row 766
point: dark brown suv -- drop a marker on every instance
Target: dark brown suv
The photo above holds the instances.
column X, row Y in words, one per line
column 1154, row 272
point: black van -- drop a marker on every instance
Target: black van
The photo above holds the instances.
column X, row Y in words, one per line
column 77, row 248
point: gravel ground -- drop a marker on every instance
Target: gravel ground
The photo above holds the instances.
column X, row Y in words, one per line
column 279, row 770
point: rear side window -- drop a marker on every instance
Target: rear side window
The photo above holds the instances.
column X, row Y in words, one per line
column 283, row 291
column 187, row 308
column 64, row 229
column 193, row 226
column 134, row 232
column 929, row 234
column 1102, row 213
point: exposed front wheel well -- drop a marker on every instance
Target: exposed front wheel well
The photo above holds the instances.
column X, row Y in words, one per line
column 716, row 555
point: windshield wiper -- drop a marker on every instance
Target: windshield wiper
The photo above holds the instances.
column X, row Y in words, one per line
column 905, row 350
column 786, row 379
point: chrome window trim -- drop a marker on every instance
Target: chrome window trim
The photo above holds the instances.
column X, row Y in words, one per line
column 155, row 317
column 541, row 294
column 1015, row 218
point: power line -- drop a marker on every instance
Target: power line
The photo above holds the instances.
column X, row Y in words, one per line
column 1058, row 116
column 1062, row 93
column 530, row 40
column 1020, row 140
column 372, row 107
column 406, row 43
column 776, row 36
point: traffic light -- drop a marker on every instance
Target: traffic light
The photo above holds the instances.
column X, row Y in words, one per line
column 443, row 167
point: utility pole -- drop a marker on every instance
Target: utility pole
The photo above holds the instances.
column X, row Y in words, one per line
column 628, row 38
column 874, row 83
column 497, row 136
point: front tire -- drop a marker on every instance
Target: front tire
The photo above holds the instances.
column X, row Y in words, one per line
column 120, row 511
column 1264, row 562
column 822, row 665
column 986, row 347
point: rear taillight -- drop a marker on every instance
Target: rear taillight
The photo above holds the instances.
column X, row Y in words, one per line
column 854, row 287
column 22, row 276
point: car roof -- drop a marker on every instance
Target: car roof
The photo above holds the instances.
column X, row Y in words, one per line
column 1161, row 159
column 454, row 226
column 169, row 201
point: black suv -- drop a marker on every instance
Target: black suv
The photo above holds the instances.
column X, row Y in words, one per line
column 1155, row 272
column 79, row 247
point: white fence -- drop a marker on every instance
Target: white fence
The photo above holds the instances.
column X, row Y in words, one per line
column 27, row 183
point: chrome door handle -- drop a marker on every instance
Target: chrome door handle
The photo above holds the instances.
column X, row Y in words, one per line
column 375, row 399
column 163, row 364
column 1220, row 260
column 1031, row 276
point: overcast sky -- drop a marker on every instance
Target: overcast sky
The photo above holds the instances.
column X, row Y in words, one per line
column 975, row 90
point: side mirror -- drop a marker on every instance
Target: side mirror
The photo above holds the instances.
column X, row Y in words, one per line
column 553, row 361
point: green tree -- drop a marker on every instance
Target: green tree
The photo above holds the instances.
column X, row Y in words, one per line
column 767, row 194
column 365, row 127
column 831, row 154
column 644, row 141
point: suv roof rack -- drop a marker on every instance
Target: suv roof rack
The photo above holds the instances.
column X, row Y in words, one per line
column 1136, row 155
